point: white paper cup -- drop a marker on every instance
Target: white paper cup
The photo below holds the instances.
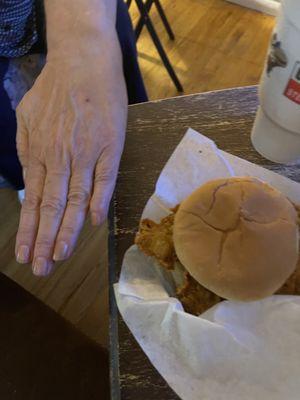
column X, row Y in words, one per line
column 273, row 142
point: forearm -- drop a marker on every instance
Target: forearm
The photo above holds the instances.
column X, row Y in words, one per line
column 72, row 24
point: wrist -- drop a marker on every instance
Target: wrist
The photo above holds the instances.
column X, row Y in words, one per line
column 78, row 27
column 84, row 43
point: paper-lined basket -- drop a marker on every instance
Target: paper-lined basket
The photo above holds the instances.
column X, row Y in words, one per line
column 234, row 351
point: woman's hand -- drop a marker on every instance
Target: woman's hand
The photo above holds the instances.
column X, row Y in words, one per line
column 71, row 128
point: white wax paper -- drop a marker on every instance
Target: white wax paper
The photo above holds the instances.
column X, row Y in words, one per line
column 234, row 351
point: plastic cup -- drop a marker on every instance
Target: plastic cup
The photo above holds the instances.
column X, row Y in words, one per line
column 273, row 142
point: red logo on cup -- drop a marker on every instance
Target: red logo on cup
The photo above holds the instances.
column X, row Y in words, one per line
column 292, row 90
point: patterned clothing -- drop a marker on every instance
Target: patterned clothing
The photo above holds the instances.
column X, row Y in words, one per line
column 18, row 30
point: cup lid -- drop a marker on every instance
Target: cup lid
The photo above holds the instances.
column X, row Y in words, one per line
column 273, row 142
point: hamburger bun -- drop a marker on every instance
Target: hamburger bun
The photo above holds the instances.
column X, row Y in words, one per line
column 237, row 237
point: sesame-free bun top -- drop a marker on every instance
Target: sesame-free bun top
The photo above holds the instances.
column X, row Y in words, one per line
column 237, row 237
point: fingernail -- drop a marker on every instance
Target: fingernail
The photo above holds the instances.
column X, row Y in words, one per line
column 96, row 219
column 61, row 251
column 23, row 254
column 40, row 266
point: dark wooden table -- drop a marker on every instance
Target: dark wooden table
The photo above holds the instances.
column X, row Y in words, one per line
column 43, row 357
column 154, row 130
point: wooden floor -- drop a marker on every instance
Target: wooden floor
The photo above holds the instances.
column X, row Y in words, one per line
column 78, row 288
column 218, row 45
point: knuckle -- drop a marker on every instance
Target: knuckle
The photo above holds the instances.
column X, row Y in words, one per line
column 52, row 206
column 31, row 202
column 104, row 177
column 97, row 208
column 67, row 231
column 82, row 158
column 113, row 152
column 24, row 231
column 79, row 197
column 43, row 242
column 54, row 174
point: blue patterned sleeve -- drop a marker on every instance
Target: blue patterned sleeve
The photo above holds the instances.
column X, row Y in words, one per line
column 18, row 30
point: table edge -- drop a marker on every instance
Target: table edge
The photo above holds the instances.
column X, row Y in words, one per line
column 115, row 393
column 130, row 106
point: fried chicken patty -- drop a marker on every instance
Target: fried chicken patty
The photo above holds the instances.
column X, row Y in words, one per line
column 156, row 240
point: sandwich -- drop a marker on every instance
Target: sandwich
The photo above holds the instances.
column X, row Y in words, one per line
column 235, row 239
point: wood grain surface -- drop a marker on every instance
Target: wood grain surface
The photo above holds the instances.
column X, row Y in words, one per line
column 78, row 287
column 154, row 130
column 43, row 357
column 217, row 45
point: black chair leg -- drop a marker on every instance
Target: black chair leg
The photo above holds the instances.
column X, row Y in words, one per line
column 158, row 45
column 164, row 19
column 141, row 21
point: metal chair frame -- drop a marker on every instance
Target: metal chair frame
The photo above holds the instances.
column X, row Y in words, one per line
column 145, row 20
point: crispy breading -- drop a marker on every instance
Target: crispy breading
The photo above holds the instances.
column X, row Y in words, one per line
column 195, row 298
column 156, row 240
